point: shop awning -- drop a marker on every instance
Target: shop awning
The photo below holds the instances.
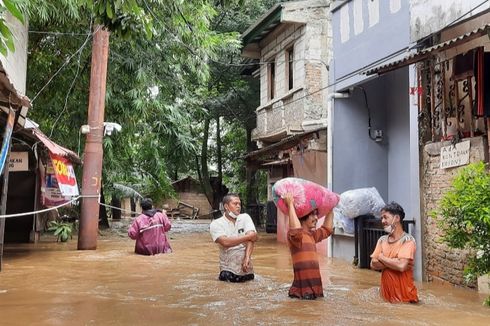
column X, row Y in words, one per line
column 427, row 52
column 55, row 148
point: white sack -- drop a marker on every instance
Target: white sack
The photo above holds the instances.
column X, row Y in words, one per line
column 362, row 201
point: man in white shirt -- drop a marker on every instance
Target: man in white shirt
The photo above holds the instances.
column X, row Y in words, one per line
column 235, row 234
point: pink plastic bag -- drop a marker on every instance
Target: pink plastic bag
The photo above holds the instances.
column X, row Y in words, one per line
column 307, row 196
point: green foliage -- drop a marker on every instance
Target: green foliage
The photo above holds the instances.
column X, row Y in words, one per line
column 6, row 37
column 62, row 230
column 466, row 211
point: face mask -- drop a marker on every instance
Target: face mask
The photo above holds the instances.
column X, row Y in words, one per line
column 389, row 229
column 232, row 215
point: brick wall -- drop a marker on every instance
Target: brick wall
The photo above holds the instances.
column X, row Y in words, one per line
column 312, row 51
column 442, row 263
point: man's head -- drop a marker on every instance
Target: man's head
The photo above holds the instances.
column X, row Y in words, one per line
column 309, row 220
column 392, row 216
column 232, row 205
column 146, row 204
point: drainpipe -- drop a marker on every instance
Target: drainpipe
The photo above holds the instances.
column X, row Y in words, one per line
column 330, row 101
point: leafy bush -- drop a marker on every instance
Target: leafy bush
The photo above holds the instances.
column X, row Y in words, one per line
column 62, row 230
column 466, row 211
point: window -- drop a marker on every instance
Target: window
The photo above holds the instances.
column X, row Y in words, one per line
column 290, row 67
column 272, row 78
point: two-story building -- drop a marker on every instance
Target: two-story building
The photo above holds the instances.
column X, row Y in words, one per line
column 291, row 46
column 412, row 76
column 374, row 122
column 452, row 66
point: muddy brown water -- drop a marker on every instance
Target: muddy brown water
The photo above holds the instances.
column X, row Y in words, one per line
column 51, row 283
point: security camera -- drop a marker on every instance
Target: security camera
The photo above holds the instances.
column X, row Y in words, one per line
column 109, row 127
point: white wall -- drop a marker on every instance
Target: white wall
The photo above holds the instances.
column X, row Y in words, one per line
column 15, row 64
column 429, row 16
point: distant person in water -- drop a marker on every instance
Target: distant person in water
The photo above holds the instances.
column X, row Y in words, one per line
column 302, row 238
column 235, row 234
column 149, row 230
column 393, row 256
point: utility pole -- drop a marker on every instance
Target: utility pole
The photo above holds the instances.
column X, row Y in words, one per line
column 93, row 153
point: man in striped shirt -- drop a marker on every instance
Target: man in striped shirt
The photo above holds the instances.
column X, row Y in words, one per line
column 302, row 239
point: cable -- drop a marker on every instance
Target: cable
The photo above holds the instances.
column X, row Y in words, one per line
column 67, row 61
column 72, row 83
column 59, row 33
column 368, row 110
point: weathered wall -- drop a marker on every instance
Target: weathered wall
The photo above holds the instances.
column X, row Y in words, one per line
column 15, row 64
column 430, row 16
column 441, row 262
column 366, row 32
column 312, row 51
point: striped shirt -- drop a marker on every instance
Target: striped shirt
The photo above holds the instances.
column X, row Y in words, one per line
column 302, row 244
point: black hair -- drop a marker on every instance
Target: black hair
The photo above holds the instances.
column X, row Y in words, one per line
column 304, row 217
column 146, row 204
column 229, row 197
column 394, row 209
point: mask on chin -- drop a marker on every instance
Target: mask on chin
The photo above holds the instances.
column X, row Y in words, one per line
column 389, row 229
column 232, row 215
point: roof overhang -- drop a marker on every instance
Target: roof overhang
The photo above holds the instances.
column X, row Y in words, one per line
column 8, row 94
column 259, row 156
column 55, row 148
column 263, row 26
column 428, row 52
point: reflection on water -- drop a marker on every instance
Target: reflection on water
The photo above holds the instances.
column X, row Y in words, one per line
column 53, row 284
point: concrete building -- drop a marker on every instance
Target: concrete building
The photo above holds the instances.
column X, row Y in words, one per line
column 374, row 123
column 416, row 62
column 291, row 45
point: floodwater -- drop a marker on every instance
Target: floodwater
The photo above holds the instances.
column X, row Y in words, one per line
column 52, row 283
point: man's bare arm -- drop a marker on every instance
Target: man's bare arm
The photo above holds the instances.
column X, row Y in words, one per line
column 228, row 242
column 397, row 264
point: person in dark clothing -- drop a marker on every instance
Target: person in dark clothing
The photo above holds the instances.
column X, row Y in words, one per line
column 149, row 230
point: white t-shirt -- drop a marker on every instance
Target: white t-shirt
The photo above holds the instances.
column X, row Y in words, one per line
column 230, row 259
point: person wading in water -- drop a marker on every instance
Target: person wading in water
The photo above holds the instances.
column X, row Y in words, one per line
column 235, row 234
column 393, row 256
column 302, row 238
column 149, row 230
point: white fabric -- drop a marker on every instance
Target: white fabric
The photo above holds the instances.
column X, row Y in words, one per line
column 230, row 259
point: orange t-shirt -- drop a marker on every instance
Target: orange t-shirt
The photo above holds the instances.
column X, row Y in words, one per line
column 397, row 286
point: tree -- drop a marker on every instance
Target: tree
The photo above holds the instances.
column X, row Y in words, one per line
column 466, row 211
column 6, row 37
column 153, row 87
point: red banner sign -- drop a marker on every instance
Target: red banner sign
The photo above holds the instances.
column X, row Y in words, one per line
column 65, row 175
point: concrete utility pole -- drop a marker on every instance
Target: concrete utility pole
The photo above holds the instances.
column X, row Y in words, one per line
column 93, row 154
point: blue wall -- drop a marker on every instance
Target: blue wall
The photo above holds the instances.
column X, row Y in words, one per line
column 389, row 36
column 398, row 136
column 358, row 161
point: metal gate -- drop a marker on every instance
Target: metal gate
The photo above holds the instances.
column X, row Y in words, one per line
column 368, row 230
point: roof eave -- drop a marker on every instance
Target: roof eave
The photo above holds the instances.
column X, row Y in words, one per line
column 271, row 17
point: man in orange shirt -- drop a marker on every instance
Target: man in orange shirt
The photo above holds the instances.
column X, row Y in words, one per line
column 394, row 255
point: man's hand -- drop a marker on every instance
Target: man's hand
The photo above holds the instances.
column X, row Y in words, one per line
column 246, row 264
column 376, row 264
column 288, row 199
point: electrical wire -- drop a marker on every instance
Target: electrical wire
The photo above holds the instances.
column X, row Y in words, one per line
column 72, row 82
column 67, row 61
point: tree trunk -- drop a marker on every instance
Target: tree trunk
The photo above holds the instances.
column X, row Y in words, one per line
column 218, row 189
column 103, row 221
column 116, row 213
column 204, row 172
